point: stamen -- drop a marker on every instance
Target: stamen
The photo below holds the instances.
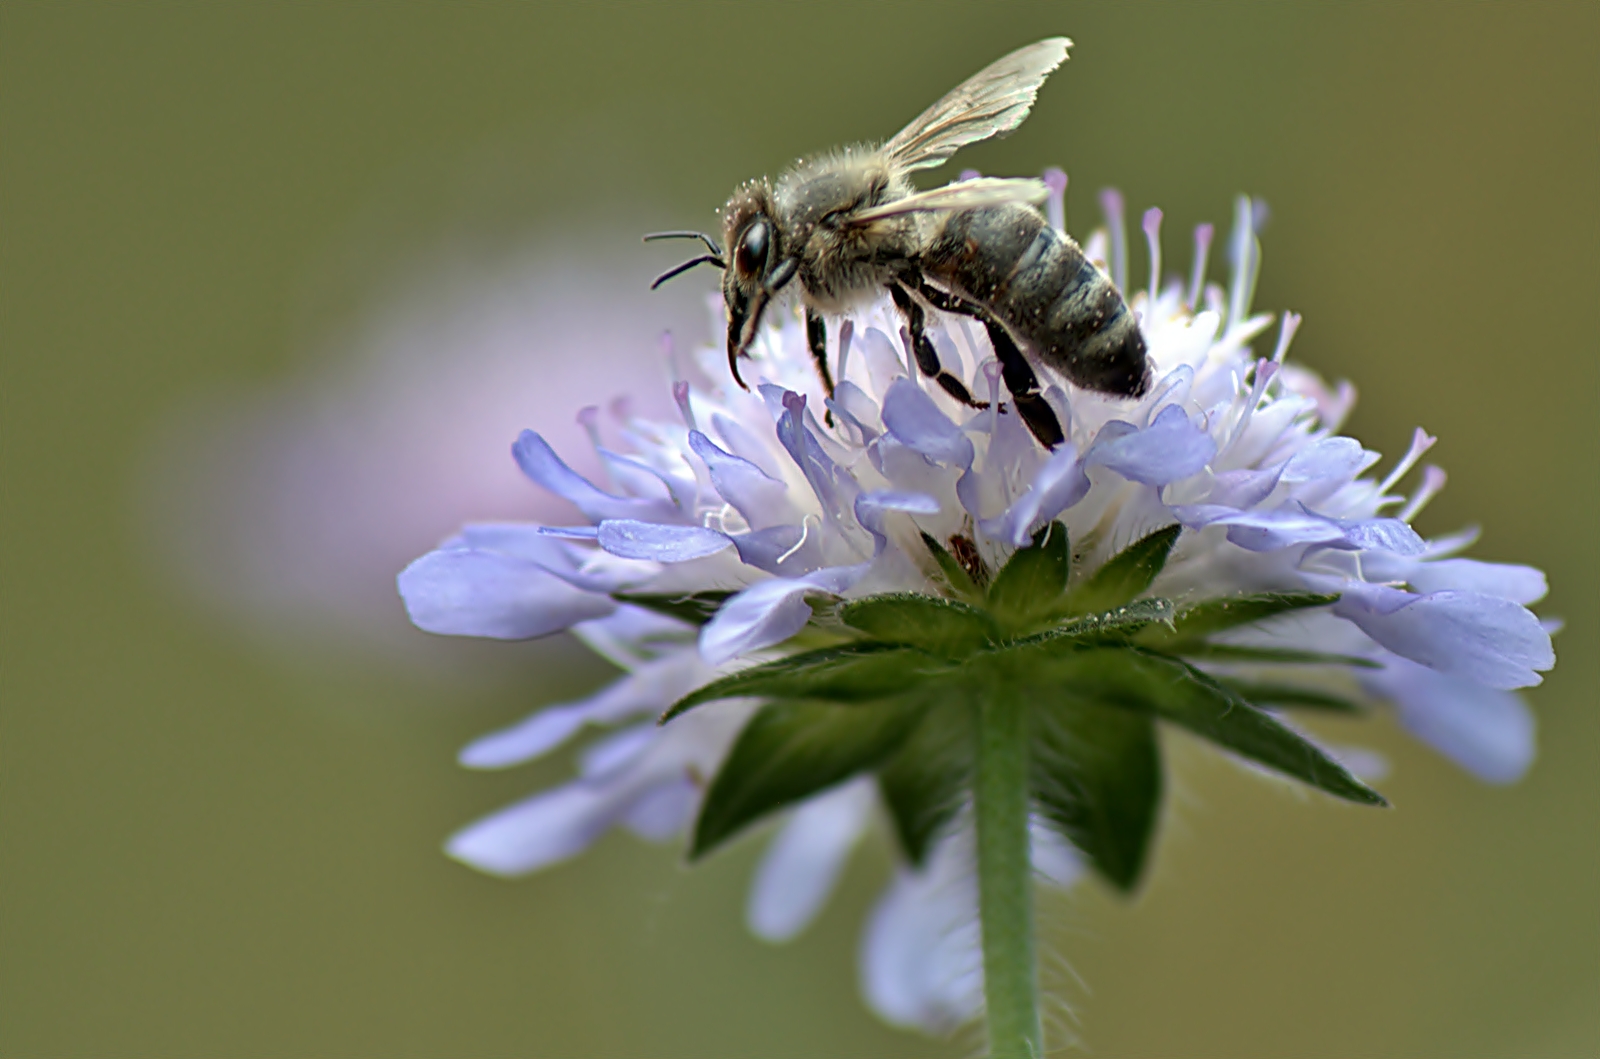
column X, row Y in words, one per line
column 805, row 531
column 847, row 331
column 1055, row 206
column 1111, row 203
column 1291, row 323
column 1152, row 235
column 1245, row 256
column 1197, row 275
column 589, row 419
column 1420, row 443
column 680, row 394
column 992, row 371
column 1264, row 370
column 1433, row 479
column 669, row 349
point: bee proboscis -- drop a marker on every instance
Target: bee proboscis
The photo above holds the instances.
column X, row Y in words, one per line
column 849, row 224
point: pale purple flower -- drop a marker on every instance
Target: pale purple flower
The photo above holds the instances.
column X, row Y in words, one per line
column 777, row 494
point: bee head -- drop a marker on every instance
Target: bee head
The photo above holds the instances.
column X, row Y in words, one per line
column 756, row 270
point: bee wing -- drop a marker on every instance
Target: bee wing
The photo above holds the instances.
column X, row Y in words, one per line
column 991, row 102
column 962, row 195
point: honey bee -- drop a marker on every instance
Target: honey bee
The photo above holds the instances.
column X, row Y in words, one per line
column 850, row 224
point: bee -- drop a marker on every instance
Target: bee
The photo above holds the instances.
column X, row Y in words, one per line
column 849, row 224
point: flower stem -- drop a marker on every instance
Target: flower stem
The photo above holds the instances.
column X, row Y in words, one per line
column 1005, row 880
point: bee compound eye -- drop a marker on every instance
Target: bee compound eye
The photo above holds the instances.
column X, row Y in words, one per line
column 752, row 254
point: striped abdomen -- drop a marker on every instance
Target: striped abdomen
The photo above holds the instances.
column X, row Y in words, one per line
column 1036, row 281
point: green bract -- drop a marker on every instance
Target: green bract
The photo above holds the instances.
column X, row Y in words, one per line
column 1095, row 666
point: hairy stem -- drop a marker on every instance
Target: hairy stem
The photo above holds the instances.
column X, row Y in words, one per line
column 1005, row 880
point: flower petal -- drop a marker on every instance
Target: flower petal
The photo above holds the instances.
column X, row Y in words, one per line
column 1486, row 731
column 1168, row 449
column 633, row 539
column 872, row 507
column 803, row 862
column 760, row 498
column 1335, row 459
column 921, row 960
column 466, row 592
column 1485, row 639
column 540, row 463
column 548, row 828
column 1519, row 584
column 1058, row 485
column 769, row 612
column 665, row 811
column 912, row 417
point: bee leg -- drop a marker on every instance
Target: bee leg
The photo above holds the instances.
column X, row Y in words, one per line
column 1015, row 370
column 1019, row 378
column 927, row 356
column 817, row 338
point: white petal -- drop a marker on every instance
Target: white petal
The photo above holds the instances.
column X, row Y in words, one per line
column 921, row 959
column 803, row 862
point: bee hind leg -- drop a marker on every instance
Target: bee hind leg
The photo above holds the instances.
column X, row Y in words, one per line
column 1017, row 374
column 922, row 347
column 1015, row 371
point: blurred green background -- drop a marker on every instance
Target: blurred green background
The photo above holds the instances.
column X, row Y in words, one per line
column 215, row 845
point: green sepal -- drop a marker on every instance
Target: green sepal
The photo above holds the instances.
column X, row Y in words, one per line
column 1119, row 624
column 1288, row 656
column 1111, row 627
column 789, row 751
column 1218, row 615
column 696, row 608
column 1266, row 694
column 1033, row 579
column 1141, row 680
column 851, row 673
column 1124, row 575
column 1096, row 776
column 924, row 783
column 961, row 582
column 943, row 627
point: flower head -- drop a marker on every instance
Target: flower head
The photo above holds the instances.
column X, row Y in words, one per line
column 1209, row 555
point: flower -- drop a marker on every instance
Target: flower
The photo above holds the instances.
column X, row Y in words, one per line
column 1221, row 518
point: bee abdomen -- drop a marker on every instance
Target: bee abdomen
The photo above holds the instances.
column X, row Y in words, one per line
column 1067, row 313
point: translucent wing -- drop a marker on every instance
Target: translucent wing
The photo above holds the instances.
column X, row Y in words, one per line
column 963, row 195
column 992, row 102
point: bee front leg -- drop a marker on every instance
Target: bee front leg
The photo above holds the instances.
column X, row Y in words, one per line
column 927, row 356
column 817, row 338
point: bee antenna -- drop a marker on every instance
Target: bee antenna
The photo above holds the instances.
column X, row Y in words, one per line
column 703, row 259
column 711, row 244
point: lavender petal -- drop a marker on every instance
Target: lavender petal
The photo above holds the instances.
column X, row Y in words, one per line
column 466, row 592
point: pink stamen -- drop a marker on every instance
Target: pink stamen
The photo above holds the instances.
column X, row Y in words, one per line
column 589, row 419
column 992, row 371
column 1055, row 179
column 1197, row 274
column 847, row 331
column 1152, row 235
column 1291, row 323
column 680, row 394
column 1111, row 203
column 1420, row 443
column 669, row 349
column 1433, row 479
